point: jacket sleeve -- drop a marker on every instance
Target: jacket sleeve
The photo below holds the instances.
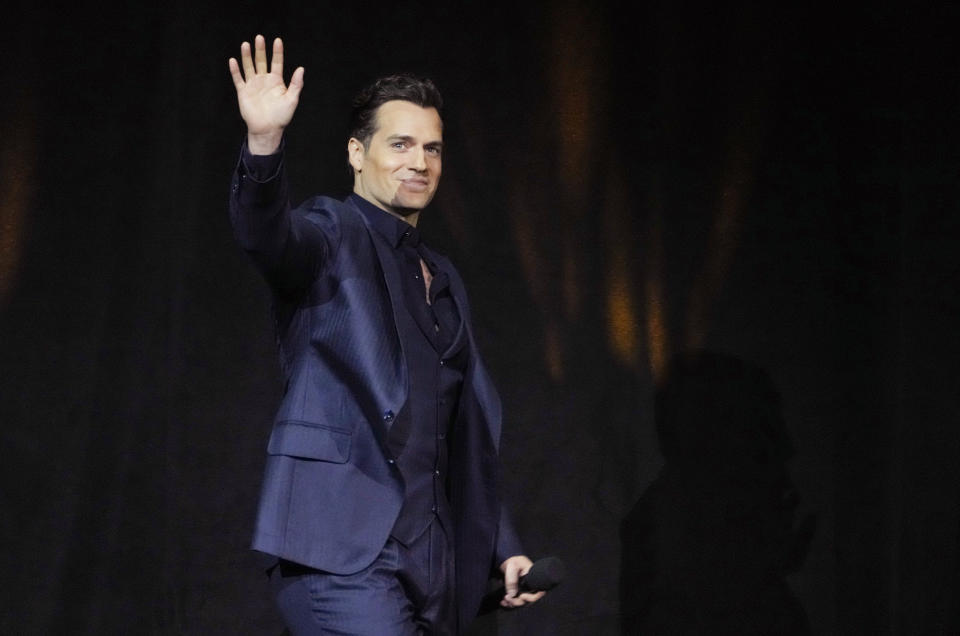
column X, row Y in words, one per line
column 289, row 248
column 508, row 542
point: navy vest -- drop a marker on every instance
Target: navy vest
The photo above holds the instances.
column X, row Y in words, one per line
column 418, row 437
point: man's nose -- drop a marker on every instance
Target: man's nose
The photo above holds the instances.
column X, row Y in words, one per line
column 418, row 161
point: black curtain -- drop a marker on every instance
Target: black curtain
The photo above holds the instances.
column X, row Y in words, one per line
column 720, row 309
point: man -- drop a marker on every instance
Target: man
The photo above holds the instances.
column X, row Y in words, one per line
column 380, row 490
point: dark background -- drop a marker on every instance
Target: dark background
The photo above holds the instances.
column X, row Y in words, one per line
column 774, row 185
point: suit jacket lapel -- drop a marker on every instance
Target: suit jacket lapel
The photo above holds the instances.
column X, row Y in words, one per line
column 391, row 279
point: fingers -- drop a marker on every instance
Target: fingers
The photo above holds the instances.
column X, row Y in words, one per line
column 531, row 597
column 257, row 62
column 511, row 602
column 511, row 578
column 276, row 62
column 235, row 73
column 247, row 60
column 521, row 599
column 260, row 54
column 512, row 569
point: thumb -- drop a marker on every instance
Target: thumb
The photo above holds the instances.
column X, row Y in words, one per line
column 296, row 83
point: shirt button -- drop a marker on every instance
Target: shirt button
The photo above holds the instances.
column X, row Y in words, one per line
column 433, row 508
column 441, row 363
column 436, row 473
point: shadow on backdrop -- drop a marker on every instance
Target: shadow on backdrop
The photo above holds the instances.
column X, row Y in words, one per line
column 707, row 548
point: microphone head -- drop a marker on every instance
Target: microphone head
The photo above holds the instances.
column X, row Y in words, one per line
column 545, row 574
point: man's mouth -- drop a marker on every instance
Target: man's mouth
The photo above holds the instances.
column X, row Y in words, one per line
column 415, row 185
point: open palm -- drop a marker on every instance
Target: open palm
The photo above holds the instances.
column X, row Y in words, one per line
column 266, row 103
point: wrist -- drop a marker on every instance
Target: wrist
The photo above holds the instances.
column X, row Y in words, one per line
column 264, row 143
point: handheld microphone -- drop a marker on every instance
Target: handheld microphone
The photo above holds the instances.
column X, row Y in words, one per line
column 544, row 575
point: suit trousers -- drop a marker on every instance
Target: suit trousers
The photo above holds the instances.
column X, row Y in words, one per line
column 406, row 591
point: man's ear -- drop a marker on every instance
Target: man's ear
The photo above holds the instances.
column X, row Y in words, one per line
column 355, row 154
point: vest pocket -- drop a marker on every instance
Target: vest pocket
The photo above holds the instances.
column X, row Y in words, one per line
column 306, row 440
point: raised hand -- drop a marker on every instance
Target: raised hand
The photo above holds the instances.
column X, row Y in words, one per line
column 266, row 103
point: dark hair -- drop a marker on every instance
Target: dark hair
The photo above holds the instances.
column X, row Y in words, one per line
column 409, row 88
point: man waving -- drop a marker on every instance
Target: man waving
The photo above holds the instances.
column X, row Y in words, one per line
column 379, row 498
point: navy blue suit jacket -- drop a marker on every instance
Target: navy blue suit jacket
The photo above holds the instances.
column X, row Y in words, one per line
column 331, row 491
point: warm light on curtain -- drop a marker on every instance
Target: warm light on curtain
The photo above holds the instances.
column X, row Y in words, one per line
column 18, row 159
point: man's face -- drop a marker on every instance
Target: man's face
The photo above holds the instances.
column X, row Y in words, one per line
column 400, row 170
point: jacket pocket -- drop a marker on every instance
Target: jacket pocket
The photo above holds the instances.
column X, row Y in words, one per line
column 310, row 441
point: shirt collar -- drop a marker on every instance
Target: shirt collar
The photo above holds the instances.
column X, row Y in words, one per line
column 390, row 227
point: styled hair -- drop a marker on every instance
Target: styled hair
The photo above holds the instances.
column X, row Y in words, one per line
column 405, row 87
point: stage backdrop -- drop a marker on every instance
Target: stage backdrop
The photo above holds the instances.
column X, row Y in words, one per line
column 713, row 262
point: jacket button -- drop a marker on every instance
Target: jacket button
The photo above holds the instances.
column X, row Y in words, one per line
column 388, row 416
column 391, row 461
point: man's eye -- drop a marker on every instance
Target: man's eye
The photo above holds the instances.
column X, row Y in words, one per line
column 399, row 145
column 434, row 151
